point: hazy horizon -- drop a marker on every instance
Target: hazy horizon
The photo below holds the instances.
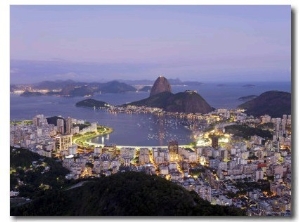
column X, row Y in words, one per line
column 192, row 43
column 30, row 72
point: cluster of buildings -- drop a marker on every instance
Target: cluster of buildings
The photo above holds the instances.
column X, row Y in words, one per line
column 48, row 139
column 213, row 168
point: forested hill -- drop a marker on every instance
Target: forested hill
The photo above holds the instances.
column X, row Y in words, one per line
column 125, row 194
column 92, row 103
column 187, row 102
column 273, row 103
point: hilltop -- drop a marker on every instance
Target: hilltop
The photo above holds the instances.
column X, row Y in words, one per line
column 160, row 85
column 92, row 103
column 273, row 103
column 92, row 88
column 72, row 88
column 125, row 194
column 187, row 102
column 162, row 97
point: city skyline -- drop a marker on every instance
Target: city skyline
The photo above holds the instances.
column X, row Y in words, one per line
column 201, row 43
column 221, row 45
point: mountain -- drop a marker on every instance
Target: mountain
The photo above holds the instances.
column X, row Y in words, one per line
column 162, row 97
column 58, row 84
column 160, row 85
column 124, row 194
column 116, row 87
column 73, row 91
column 187, row 102
column 91, row 103
column 72, row 88
column 273, row 103
column 145, row 89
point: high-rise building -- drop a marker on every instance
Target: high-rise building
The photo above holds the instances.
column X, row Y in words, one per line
column 63, row 142
column 173, row 150
column 144, row 156
column 224, row 154
column 60, row 126
column 173, row 147
column 39, row 120
column 214, row 141
column 68, row 125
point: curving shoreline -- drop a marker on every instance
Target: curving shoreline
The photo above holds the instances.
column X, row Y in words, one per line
column 87, row 136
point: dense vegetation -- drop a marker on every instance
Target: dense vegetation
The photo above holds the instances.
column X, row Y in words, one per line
column 125, row 194
column 91, row 103
column 246, row 131
column 273, row 103
column 33, row 175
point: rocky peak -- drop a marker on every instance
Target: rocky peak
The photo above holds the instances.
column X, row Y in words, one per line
column 160, row 85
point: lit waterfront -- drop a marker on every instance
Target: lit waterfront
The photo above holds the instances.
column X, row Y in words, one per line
column 135, row 129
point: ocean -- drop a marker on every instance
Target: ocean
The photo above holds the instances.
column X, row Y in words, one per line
column 138, row 129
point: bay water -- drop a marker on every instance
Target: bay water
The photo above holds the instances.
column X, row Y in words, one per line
column 138, row 129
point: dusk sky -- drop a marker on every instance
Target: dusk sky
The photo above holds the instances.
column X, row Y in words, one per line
column 202, row 43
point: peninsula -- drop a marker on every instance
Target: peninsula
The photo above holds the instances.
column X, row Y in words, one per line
column 273, row 103
column 162, row 97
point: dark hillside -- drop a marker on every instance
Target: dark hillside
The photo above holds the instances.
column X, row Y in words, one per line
column 91, row 103
column 273, row 103
column 187, row 102
column 125, row 194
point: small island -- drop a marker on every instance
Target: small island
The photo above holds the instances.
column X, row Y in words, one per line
column 92, row 103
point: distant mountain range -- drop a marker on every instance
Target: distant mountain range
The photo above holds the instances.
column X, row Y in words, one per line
column 171, row 81
column 162, row 97
column 72, row 88
column 273, row 103
column 75, row 88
